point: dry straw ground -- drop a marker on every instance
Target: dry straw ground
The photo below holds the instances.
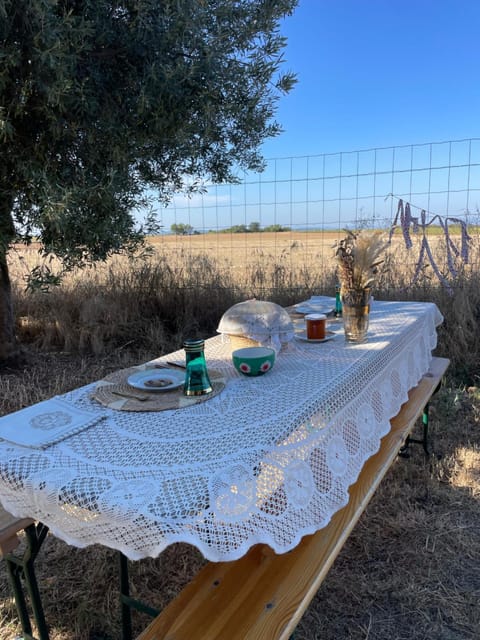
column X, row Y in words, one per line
column 411, row 568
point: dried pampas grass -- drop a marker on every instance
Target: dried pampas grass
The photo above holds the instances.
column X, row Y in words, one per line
column 358, row 258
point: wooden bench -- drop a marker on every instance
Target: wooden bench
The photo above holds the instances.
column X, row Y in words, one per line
column 10, row 526
column 264, row 595
column 20, row 569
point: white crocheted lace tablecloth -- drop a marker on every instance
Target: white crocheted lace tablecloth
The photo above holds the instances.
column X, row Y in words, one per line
column 268, row 460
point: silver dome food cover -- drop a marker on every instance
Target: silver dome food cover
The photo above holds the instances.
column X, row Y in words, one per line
column 263, row 322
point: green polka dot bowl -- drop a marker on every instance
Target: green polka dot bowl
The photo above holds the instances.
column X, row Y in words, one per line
column 253, row 361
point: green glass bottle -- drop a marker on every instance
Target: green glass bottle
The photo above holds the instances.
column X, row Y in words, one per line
column 197, row 382
column 338, row 302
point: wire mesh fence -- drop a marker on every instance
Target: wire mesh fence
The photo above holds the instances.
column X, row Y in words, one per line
column 330, row 191
column 300, row 205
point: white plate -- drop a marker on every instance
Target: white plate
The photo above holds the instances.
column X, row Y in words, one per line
column 302, row 335
column 157, row 380
column 303, row 308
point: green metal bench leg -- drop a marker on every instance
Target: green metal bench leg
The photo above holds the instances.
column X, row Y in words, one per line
column 424, row 440
column 21, row 569
column 425, row 429
column 128, row 603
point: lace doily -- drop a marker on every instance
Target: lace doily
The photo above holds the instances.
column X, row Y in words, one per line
column 269, row 460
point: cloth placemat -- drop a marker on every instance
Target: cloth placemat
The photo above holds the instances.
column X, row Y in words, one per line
column 114, row 392
column 45, row 423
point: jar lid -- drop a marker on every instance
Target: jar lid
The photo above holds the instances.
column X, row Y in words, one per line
column 315, row 316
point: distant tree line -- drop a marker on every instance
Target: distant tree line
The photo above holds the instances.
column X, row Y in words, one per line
column 181, row 229
column 254, row 227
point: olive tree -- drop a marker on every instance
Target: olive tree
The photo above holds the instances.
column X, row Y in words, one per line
column 103, row 101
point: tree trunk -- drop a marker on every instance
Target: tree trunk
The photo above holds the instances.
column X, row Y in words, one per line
column 9, row 350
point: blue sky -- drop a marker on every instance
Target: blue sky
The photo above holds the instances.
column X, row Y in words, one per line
column 372, row 74
column 376, row 73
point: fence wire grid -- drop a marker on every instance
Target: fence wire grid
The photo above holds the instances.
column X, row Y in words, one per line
column 299, row 205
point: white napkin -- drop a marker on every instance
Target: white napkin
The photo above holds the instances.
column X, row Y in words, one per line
column 45, row 423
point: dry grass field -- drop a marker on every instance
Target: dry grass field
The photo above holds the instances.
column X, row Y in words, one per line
column 411, row 568
column 296, row 250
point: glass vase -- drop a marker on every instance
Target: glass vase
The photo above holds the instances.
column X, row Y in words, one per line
column 355, row 313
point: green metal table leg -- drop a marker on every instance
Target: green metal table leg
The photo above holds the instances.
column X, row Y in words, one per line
column 128, row 603
column 21, row 569
column 124, row 595
column 14, row 573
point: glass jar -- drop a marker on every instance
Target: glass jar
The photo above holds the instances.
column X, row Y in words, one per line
column 197, row 382
column 316, row 324
column 356, row 313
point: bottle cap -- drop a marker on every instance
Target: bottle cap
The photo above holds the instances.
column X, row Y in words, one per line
column 193, row 345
